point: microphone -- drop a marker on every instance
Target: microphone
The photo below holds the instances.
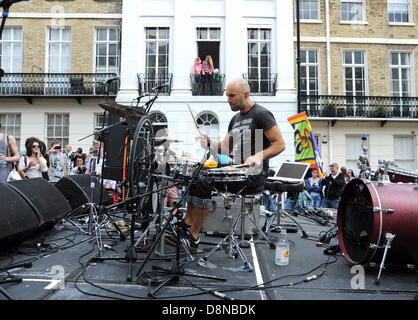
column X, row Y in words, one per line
column 108, row 81
column 7, row 3
column 160, row 86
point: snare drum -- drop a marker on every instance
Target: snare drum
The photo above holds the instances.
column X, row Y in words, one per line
column 182, row 167
column 235, row 180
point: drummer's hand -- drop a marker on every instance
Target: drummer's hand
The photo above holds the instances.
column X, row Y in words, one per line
column 204, row 140
column 254, row 160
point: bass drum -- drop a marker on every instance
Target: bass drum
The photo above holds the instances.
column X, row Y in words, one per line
column 367, row 211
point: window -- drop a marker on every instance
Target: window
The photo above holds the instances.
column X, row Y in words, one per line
column 353, row 150
column 157, row 49
column 400, row 74
column 107, row 50
column 309, row 75
column 404, row 152
column 399, row 11
column 11, row 124
column 208, row 34
column 352, row 10
column 259, row 59
column 354, row 70
column 11, row 50
column 59, row 50
column 100, row 121
column 57, row 128
column 308, row 9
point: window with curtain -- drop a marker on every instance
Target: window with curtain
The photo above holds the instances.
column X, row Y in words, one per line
column 57, row 128
column 308, row 9
column 59, row 50
column 399, row 11
column 11, row 50
column 353, row 150
column 11, row 124
column 107, row 50
column 259, row 59
column 352, row 10
column 404, row 151
column 157, row 51
column 400, row 74
column 354, row 71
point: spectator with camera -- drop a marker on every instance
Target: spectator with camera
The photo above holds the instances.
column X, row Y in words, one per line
column 58, row 163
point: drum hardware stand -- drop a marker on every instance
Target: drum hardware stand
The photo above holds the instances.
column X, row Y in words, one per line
column 389, row 238
column 233, row 248
column 177, row 269
column 385, row 178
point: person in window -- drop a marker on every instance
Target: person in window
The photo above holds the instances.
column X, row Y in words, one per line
column 33, row 164
column 207, row 75
column 314, row 187
column 58, row 166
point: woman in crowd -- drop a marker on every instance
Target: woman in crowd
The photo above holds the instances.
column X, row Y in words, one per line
column 314, row 186
column 350, row 175
column 34, row 163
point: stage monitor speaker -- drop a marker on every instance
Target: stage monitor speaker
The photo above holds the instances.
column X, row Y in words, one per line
column 114, row 148
column 28, row 206
column 76, row 189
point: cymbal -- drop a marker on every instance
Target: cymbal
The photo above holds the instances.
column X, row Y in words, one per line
column 167, row 139
column 121, row 110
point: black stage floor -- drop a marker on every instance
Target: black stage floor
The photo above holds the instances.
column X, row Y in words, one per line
column 64, row 252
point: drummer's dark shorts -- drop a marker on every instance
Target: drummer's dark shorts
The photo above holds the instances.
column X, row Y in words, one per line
column 201, row 191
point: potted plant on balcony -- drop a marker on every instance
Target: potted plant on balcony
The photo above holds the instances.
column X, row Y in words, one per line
column 328, row 110
column 380, row 112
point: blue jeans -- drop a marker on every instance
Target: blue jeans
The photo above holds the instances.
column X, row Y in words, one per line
column 290, row 204
column 316, row 198
column 330, row 203
column 269, row 203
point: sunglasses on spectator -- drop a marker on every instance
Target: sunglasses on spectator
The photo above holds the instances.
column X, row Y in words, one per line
column 35, row 146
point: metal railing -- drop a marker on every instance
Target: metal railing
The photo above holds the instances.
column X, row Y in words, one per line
column 208, row 87
column 57, row 84
column 262, row 86
column 147, row 83
column 359, row 107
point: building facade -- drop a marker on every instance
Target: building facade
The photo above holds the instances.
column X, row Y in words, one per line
column 56, row 56
column 358, row 76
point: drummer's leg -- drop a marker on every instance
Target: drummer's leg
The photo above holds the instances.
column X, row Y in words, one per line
column 195, row 218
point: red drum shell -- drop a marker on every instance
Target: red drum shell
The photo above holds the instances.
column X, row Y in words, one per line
column 361, row 222
column 399, row 175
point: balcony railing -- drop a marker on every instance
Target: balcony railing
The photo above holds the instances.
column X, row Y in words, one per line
column 208, row 87
column 148, row 82
column 262, row 86
column 57, row 84
column 359, row 107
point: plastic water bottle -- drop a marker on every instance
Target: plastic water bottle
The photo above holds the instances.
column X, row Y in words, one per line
column 3, row 164
column 282, row 250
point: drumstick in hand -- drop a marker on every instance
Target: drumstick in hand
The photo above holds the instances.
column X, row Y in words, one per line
column 194, row 119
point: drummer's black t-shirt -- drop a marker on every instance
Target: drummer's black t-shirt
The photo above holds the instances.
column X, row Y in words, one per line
column 247, row 130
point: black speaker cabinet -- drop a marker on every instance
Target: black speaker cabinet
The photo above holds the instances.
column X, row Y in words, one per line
column 28, row 206
column 77, row 190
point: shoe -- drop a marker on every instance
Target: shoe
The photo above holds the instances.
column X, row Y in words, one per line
column 191, row 244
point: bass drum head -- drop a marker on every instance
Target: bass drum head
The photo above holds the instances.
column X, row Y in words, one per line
column 355, row 222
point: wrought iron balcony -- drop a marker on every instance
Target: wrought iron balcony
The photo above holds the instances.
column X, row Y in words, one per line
column 147, row 83
column 264, row 86
column 57, row 84
column 208, row 87
column 359, row 107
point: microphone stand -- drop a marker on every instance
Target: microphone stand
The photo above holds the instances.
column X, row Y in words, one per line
column 177, row 269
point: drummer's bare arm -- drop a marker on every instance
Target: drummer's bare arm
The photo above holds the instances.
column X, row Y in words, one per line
column 278, row 145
